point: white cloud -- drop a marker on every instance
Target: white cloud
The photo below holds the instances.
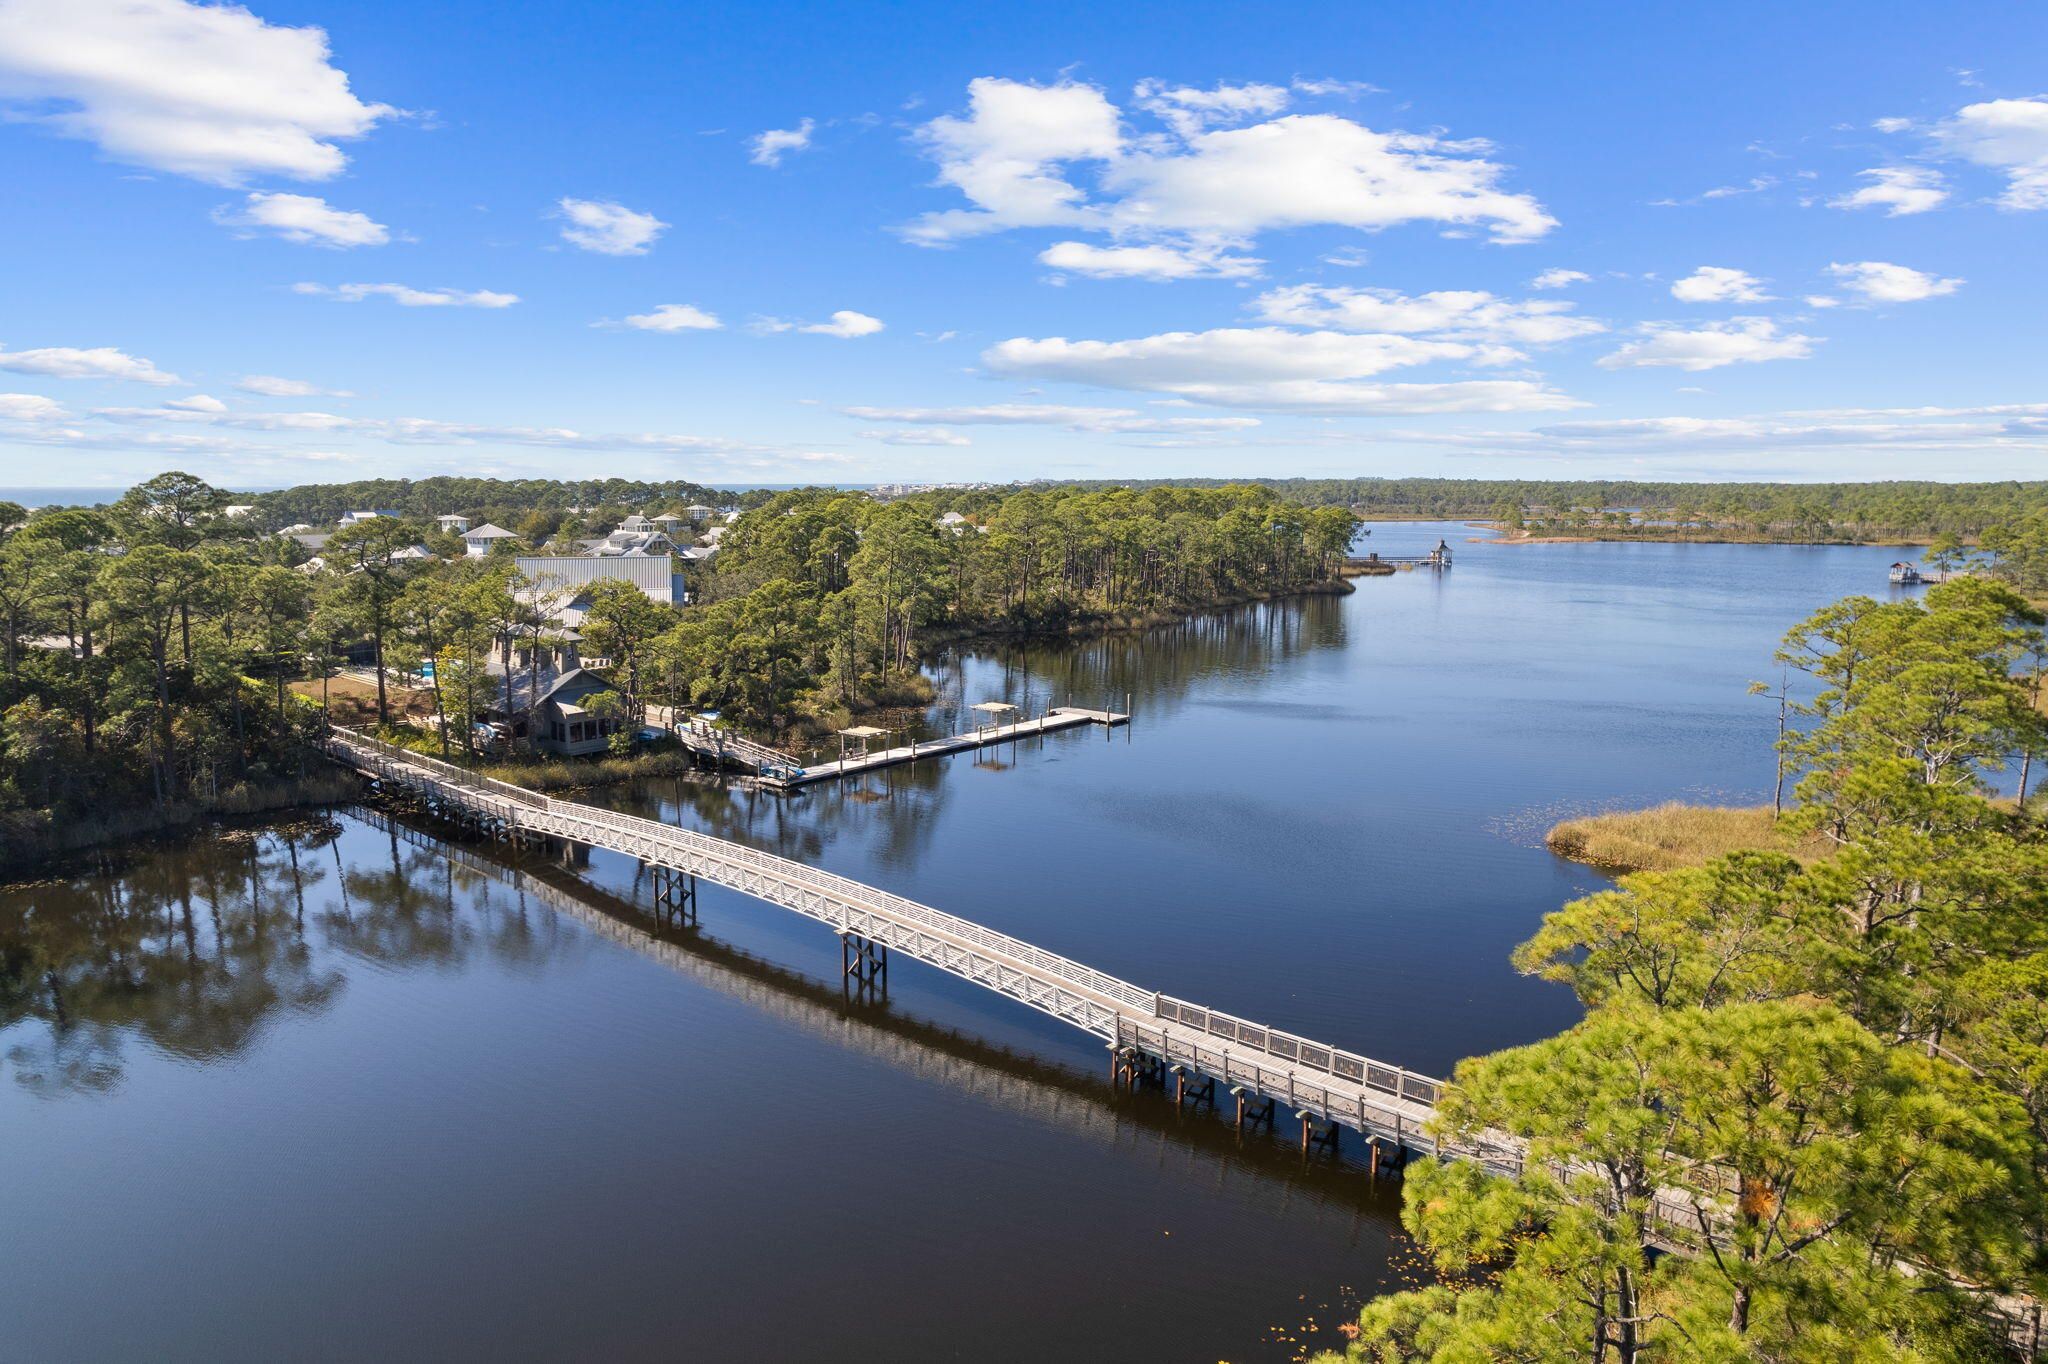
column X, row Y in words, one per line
column 1337, row 89
column 1706, row 433
column 1652, row 436
column 270, row 386
column 1269, row 368
column 1821, row 301
column 916, row 437
column 1738, row 341
column 198, row 402
column 1095, row 419
column 1451, row 314
column 31, row 407
column 2007, row 135
column 768, row 148
column 1004, row 156
column 1898, row 190
column 607, row 228
column 1882, row 282
column 1991, row 410
column 207, row 91
column 846, row 323
column 407, row 297
column 1754, row 185
column 1558, row 278
column 1225, row 355
column 672, row 317
column 1719, row 284
column 159, row 444
column 428, row 431
column 1157, row 261
column 304, row 219
column 1012, row 153
column 100, row 362
column 1187, row 110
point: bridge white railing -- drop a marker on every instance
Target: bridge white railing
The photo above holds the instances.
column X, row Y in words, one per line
column 725, row 741
column 588, row 823
column 1403, row 1084
column 1284, row 1063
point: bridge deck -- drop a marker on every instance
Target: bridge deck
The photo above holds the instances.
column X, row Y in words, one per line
column 1314, row 1078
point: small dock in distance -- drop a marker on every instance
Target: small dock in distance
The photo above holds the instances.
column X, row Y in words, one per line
column 982, row 736
column 1373, row 566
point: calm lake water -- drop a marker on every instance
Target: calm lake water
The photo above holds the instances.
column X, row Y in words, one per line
column 336, row 1089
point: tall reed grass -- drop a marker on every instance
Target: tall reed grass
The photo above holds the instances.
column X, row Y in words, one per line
column 1675, row 835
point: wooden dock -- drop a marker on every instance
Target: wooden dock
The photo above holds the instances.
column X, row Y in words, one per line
column 1062, row 717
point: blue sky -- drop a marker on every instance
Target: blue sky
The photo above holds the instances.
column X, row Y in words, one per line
column 318, row 241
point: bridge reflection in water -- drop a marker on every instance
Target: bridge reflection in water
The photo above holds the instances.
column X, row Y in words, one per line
column 1047, row 1092
column 1154, row 1040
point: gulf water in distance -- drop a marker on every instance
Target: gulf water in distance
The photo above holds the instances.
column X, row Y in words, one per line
column 330, row 1091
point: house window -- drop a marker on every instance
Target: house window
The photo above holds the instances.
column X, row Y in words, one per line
column 555, row 730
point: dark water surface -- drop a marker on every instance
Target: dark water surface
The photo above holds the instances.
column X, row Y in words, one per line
column 337, row 1090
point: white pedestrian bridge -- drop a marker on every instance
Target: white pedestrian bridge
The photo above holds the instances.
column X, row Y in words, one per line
column 1151, row 1036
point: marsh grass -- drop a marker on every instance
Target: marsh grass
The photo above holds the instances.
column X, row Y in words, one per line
column 563, row 774
column 1674, row 835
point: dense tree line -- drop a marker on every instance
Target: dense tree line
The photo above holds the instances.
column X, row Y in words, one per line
column 1610, row 508
column 2013, row 551
column 826, row 599
column 1765, row 511
column 505, row 500
column 135, row 641
column 148, row 649
column 1836, row 1073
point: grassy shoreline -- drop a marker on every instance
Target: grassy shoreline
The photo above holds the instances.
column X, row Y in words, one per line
column 1672, row 536
column 1674, row 835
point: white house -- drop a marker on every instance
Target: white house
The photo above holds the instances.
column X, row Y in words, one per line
column 452, row 523
column 355, row 517
column 478, row 542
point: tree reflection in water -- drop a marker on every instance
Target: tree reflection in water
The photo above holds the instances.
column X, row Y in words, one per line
column 194, row 951
column 894, row 810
